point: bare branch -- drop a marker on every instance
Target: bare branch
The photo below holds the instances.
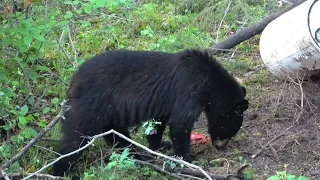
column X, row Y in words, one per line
column 52, row 73
column 26, row 76
column 44, row 92
column 24, row 150
column 4, row 174
column 180, row 173
column 138, row 162
column 224, row 15
column 20, row 175
column 72, row 45
column 194, row 173
column 189, row 177
column 47, row 149
column 65, row 53
column 129, row 140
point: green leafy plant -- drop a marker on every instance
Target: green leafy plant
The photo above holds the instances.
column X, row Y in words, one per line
column 151, row 127
column 172, row 164
column 147, row 32
column 120, row 161
column 284, row 175
column 149, row 172
column 249, row 173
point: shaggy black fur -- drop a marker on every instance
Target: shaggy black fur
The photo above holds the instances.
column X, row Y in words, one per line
column 121, row 88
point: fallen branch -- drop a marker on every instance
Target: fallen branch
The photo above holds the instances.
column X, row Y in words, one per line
column 24, row 150
column 93, row 138
column 189, row 177
column 195, row 172
column 190, row 173
column 158, row 168
column 20, row 175
column 250, row 31
column 4, row 175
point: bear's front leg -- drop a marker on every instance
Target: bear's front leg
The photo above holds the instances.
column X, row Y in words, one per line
column 155, row 140
column 180, row 137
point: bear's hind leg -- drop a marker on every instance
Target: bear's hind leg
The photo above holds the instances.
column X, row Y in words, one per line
column 155, row 140
column 114, row 139
column 122, row 143
column 70, row 142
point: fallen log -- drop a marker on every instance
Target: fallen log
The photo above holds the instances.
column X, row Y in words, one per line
column 249, row 32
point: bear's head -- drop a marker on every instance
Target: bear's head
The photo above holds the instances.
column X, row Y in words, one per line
column 222, row 127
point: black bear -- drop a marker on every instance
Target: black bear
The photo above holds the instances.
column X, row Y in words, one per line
column 121, row 88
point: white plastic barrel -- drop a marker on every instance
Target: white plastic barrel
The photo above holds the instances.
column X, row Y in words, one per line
column 290, row 45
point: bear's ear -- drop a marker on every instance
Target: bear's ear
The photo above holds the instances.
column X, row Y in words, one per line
column 242, row 105
column 244, row 90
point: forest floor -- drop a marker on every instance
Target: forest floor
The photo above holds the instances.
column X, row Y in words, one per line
column 282, row 123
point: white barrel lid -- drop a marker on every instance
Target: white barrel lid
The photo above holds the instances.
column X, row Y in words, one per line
column 314, row 23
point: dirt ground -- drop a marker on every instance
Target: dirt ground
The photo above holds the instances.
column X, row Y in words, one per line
column 280, row 120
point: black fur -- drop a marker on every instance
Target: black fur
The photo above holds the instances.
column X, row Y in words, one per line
column 121, row 88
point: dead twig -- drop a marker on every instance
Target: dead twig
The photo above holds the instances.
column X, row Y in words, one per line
column 274, row 152
column 52, row 73
column 189, row 177
column 24, row 150
column 187, row 172
column 72, row 45
column 4, row 174
column 299, row 83
column 195, row 172
column 44, row 92
column 158, row 168
column 20, row 175
column 232, row 178
column 65, row 53
column 47, row 149
column 224, row 15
